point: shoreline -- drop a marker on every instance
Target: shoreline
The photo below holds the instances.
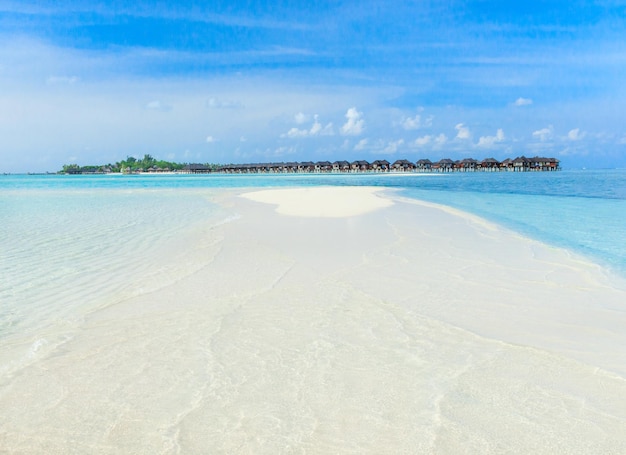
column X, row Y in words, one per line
column 394, row 327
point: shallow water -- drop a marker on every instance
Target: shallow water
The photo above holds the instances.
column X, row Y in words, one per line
column 294, row 335
column 66, row 252
column 129, row 322
column 64, row 239
column 582, row 210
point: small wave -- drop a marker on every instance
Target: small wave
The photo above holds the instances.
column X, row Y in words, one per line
column 36, row 346
column 228, row 219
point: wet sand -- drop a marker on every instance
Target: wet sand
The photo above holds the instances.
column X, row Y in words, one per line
column 344, row 320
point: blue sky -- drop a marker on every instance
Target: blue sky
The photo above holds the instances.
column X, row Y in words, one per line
column 92, row 82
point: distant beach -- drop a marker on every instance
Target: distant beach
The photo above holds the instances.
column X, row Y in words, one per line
column 323, row 320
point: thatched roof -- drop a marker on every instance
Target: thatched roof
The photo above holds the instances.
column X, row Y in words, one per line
column 195, row 167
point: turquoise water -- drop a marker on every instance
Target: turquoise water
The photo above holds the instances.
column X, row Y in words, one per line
column 66, row 245
column 584, row 211
column 72, row 244
column 95, row 333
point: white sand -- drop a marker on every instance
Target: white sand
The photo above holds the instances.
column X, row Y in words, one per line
column 331, row 202
column 405, row 329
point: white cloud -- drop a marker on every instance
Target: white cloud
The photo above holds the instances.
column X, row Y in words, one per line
column 361, row 145
column 463, row 131
column 417, row 122
column 392, row 146
column 523, row 102
column 436, row 141
column 301, row 118
column 576, row 134
column 422, row 141
column 210, row 139
column 355, row 124
column 490, row 141
column 316, row 130
column 544, row 134
column 294, row 133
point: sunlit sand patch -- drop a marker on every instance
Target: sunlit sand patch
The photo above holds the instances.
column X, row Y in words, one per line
column 328, row 202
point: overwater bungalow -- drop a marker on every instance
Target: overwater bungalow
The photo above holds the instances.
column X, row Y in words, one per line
column 306, row 166
column 543, row 164
column 323, row 166
column 341, row 166
column 402, row 166
column 466, row 165
column 443, row 165
column 276, row 168
column 521, row 164
column 489, row 164
column 507, row 165
column 380, row 166
column 424, row 165
column 359, row 166
column 196, row 169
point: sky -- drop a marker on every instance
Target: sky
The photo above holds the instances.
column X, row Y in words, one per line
column 94, row 81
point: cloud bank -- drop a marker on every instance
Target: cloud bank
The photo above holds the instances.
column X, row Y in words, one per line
column 355, row 125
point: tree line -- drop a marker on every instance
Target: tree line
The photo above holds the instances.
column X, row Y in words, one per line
column 129, row 165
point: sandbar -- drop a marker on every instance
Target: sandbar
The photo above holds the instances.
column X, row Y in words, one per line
column 342, row 320
column 331, row 202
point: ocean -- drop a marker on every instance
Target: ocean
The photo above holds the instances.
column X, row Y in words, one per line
column 74, row 249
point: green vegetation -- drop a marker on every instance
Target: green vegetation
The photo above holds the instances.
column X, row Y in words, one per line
column 128, row 166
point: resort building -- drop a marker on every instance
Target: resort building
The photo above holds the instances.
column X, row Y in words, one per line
column 519, row 164
column 445, row 165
